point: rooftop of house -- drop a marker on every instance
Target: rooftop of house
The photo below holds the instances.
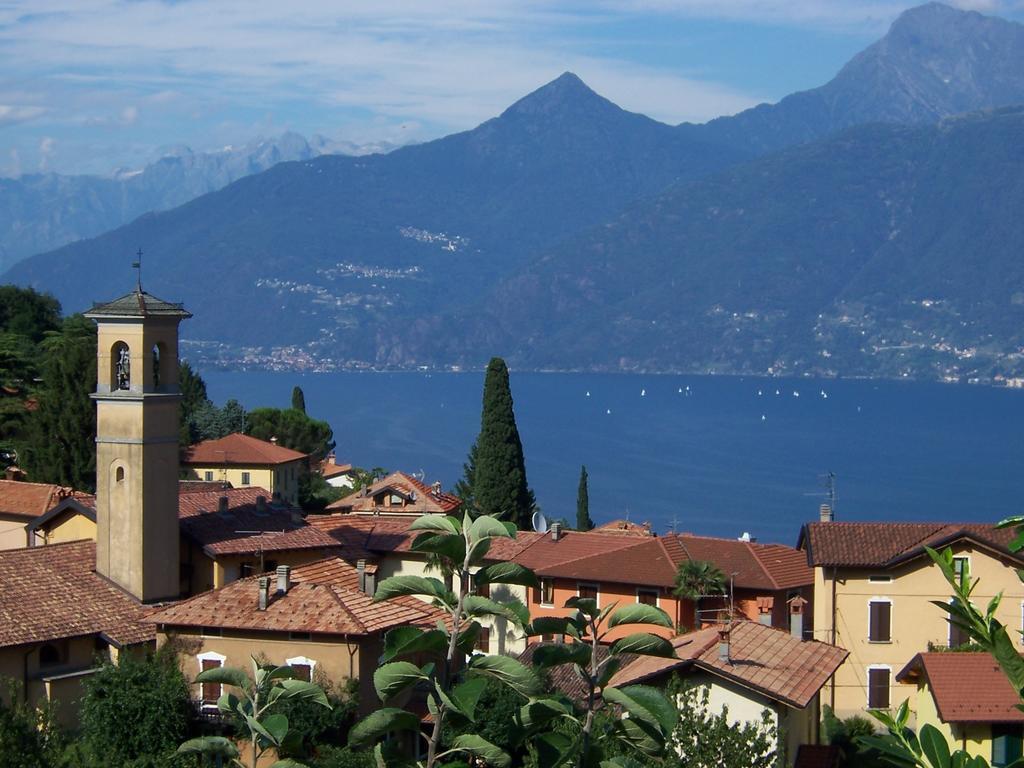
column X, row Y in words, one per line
column 654, row 560
column 966, row 687
column 239, row 450
column 138, row 303
column 330, row 467
column 883, row 545
column 323, row 598
column 29, row 500
column 244, row 525
column 763, row 659
column 419, row 497
column 54, row 592
column 202, row 486
column 625, row 527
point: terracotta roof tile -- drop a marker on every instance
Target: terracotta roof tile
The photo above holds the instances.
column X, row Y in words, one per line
column 241, row 450
column 278, row 527
column 625, row 528
column 762, row 658
column 423, row 498
column 966, row 687
column 30, row 500
column 879, row 545
column 324, row 598
column 53, row 592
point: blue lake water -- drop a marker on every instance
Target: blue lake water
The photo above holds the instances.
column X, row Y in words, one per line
column 707, row 454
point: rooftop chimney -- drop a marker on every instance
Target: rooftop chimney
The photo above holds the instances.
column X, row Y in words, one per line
column 264, row 592
column 332, row 459
column 825, row 512
column 284, row 579
column 367, row 578
column 556, row 531
column 723, row 646
column 436, row 488
column 222, row 504
column 361, row 570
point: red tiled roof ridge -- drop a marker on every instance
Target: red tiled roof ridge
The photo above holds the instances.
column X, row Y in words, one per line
column 246, row 449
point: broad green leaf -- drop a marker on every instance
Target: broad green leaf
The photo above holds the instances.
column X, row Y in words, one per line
column 606, row 670
column 934, row 746
column 506, row 573
column 391, row 679
column 214, row 746
column 475, row 605
column 277, row 726
column 403, row 641
column 640, row 614
column 303, row 691
column 225, row 676
column 520, row 610
column 548, row 625
column 257, row 727
column 542, row 711
column 889, row 746
column 288, row 763
column 279, row 673
column 902, row 714
column 445, row 545
column 506, row 670
column 553, row 750
column 379, row 723
column 480, row 747
column 466, row 695
column 585, row 605
column 396, row 586
column 486, row 526
column 641, row 735
column 644, row 644
column 468, row 637
column 228, row 703
column 546, row 656
column 646, row 703
column 479, row 551
column 438, row 523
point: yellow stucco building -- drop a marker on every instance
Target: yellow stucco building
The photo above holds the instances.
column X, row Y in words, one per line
column 873, row 590
column 242, row 461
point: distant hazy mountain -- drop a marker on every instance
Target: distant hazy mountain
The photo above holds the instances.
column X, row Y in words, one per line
column 40, row 212
column 333, row 247
column 934, row 62
column 885, row 251
column 569, row 233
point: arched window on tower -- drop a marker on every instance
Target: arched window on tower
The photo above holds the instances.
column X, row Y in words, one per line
column 119, row 474
column 120, row 367
column 156, row 366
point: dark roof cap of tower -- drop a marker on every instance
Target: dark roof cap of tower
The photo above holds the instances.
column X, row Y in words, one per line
column 138, row 304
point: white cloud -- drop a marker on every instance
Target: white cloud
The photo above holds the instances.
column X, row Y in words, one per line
column 129, row 114
column 11, row 114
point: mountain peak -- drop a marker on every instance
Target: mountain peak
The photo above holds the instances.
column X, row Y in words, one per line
column 565, row 92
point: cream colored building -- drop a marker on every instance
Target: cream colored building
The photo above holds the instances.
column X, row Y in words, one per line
column 242, row 461
column 873, row 592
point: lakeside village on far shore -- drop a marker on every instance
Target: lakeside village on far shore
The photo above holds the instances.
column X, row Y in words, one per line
column 207, row 550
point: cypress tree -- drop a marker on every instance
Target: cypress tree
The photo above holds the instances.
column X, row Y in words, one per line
column 298, row 399
column 583, row 521
column 499, row 475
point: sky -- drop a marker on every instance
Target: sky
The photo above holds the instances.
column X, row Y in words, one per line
column 90, row 86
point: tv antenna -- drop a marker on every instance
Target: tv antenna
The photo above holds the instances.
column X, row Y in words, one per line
column 828, row 481
column 137, row 265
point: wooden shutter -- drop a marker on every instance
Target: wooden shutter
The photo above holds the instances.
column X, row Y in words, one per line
column 647, row 597
column 878, row 688
column 210, row 691
column 880, row 630
column 483, row 640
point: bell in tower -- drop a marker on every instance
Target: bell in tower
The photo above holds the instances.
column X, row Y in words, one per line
column 137, row 400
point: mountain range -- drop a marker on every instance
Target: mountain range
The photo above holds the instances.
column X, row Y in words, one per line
column 867, row 227
column 43, row 211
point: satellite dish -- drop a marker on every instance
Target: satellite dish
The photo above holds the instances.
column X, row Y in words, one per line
column 540, row 522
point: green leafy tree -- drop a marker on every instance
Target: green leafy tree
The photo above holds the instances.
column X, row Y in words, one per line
column 846, row 735
column 28, row 736
column 193, row 400
column 583, row 519
column 315, row 493
column 26, row 312
column 496, row 713
column 454, row 691
column 60, row 440
column 499, row 486
column 136, row 708
column 464, row 487
column 293, row 429
column 298, row 399
column 259, row 707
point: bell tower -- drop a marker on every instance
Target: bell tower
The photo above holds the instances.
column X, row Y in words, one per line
column 137, row 400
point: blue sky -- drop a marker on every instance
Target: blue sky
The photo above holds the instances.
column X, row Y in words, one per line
column 92, row 85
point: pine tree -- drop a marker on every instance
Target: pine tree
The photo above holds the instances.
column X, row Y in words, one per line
column 61, row 442
column 298, row 399
column 499, row 476
column 583, row 520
